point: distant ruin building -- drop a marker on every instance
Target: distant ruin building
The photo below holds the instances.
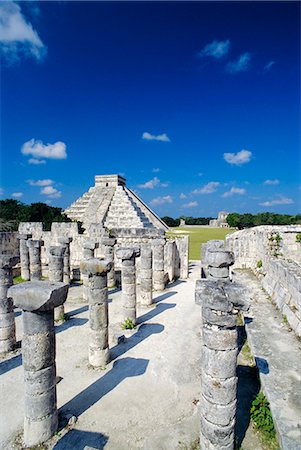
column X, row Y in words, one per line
column 111, row 204
column 221, row 221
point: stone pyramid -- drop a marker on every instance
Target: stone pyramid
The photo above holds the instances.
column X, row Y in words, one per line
column 111, row 204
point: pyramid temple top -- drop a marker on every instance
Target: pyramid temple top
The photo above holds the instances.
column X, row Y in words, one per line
column 109, row 180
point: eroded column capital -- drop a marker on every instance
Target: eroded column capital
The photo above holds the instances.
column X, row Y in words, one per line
column 38, row 295
column 95, row 266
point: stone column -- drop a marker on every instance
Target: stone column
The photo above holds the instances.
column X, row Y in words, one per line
column 89, row 247
column 24, row 256
column 219, row 299
column 108, row 249
column 96, row 271
column 65, row 242
column 158, row 264
column 35, row 258
column 37, row 299
column 7, row 317
column 169, row 259
column 128, row 281
column 218, row 262
column 146, row 282
column 184, row 256
column 56, row 274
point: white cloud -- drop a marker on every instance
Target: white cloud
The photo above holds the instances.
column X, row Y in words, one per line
column 36, row 161
column 190, row 205
column 239, row 158
column 241, row 65
column 151, row 137
column 281, row 200
column 209, row 188
column 182, row 196
column 216, row 49
column 1, row 191
column 17, row 36
column 156, row 170
column 39, row 150
column 269, row 65
column 46, row 182
column 161, row 200
column 155, row 182
column 17, row 194
column 51, row 192
column 271, row 182
column 233, row 191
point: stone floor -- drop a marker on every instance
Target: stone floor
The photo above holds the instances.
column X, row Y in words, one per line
column 147, row 398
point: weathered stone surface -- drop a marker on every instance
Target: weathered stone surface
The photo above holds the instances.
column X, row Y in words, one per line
column 220, row 272
column 211, row 294
column 222, row 391
column 219, row 258
column 219, row 339
column 127, row 253
column 38, row 295
column 218, row 414
column 95, row 266
column 40, row 322
column 218, row 435
column 219, row 364
column 219, row 318
column 7, row 319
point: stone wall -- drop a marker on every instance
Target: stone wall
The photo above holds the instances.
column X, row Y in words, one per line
column 283, row 283
column 9, row 244
column 260, row 244
column 276, row 251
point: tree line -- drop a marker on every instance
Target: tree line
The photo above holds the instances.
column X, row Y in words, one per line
column 240, row 221
column 12, row 212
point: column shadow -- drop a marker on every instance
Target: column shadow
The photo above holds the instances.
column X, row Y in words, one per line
column 77, row 311
column 69, row 323
column 247, row 388
column 164, row 296
column 9, row 364
column 79, row 440
column 143, row 333
column 122, row 369
column 155, row 311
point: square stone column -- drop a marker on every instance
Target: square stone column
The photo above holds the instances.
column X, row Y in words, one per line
column 158, row 264
column 24, row 256
column 38, row 299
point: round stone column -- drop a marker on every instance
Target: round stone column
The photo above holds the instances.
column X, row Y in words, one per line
column 146, row 282
column 218, row 262
column 56, row 274
column 96, row 271
column 89, row 247
column 24, row 256
column 7, row 317
column 37, row 299
column 158, row 264
column 108, row 249
column 128, row 281
column 65, row 242
column 35, row 264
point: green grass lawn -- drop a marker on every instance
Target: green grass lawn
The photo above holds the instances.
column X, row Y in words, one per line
column 200, row 235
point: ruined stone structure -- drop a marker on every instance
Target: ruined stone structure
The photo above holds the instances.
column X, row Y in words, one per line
column 110, row 203
column 35, row 263
column 221, row 221
column 38, row 299
column 274, row 253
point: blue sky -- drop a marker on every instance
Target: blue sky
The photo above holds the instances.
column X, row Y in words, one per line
column 196, row 104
